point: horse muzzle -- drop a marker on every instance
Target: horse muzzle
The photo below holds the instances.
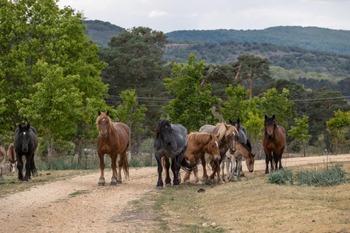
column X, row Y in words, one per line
column 217, row 157
column 232, row 151
column 103, row 134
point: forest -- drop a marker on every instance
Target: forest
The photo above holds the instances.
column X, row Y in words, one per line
column 57, row 74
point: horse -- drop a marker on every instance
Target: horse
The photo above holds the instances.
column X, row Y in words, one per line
column 199, row 143
column 2, row 159
column 113, row 139
column 170, row 144
column 274, row 142
column 242, row 138
column 227, row 141
column 234, row 161
column 25, row 144
column 11, row 153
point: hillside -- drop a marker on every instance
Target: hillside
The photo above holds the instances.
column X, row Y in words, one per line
column 310, row 38
column 101, row 32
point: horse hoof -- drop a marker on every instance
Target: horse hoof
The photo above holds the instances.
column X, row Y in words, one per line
column 113, row 183
column 176, row 186
column 168, row 185
column 101, row 184
column 159, row 187
column 119, row 182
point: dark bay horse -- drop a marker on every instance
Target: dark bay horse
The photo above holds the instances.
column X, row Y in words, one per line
column 170, row 144
column 198, row 144
column 274, row 142
column 11, row 153
column 113, row 139
column 227, row 141
column 25, row 143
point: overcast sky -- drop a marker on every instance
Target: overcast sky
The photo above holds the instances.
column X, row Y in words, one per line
column 171, row 15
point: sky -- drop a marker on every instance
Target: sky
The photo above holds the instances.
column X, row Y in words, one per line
column 173, row 15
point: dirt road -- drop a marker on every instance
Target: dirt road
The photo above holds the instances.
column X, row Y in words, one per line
column 78, row 205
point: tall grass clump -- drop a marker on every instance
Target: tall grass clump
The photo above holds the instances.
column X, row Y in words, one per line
column 281, row 177
column 325, row 177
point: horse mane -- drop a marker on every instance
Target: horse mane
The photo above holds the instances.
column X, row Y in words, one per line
column 102, row 115
column 221, row 130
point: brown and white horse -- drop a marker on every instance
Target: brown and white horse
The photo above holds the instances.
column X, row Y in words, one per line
column 2, row 159
column 11, row 153
column 234, row 161
column 113, row 139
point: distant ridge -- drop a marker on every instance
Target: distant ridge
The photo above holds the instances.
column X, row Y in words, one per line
column 101, row 32
column 310, row 38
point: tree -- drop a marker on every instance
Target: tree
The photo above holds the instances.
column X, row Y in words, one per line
column 236, row 105
column 300, row 132
column 132, row 114
column 135, row 62
column 193, row 102
column 339, row 127
column 39, row 38
column 252, row 68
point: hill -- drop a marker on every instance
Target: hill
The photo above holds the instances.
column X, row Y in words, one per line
column 101, row 32
column 310, row 38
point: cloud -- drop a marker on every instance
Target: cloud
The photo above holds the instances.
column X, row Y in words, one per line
column 154, row 14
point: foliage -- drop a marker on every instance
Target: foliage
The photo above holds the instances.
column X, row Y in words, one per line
column 300, row 132
column 134, row 60
column 339, row 127
column 50, row 71
column 325, row 177
column 131, row 113
column 236, row 105
column 193, row 102
column 284, row 176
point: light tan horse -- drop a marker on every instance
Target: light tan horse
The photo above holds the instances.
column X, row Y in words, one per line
column 228, row 137
column 113, row 139
column 199, row 143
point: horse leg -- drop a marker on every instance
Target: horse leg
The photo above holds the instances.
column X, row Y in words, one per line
column 267, row 160
column 20, row 167
column 204, row 165
column 28, row 167
column 160, row 170
column 114, row 169
column 175, row 168
column 195, row 172
column 33, row 169
column 101, row 181
column 167, row 176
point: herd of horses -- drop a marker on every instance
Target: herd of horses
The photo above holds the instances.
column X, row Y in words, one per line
column 217, row 145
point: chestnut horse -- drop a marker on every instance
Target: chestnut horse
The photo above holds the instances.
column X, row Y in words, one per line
column 274, row 142
column 11, row 153
column 113, row 139
column 227, row 141
column 200, row 143
column 234, row 161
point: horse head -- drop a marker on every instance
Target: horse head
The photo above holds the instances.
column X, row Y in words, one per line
column 270, row 126
column 23, row 137
column 250, row 162
column 103, row 123
column 166, row 135
column 231, row 137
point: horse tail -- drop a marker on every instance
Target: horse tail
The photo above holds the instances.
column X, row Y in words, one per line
column 123, row 163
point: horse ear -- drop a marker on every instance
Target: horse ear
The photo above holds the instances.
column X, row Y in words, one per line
column 28, row 125
column 237, row 120
column 231, row 122
column 98, row 112
column 107, row 113
column 266, row 117
column 273, row 116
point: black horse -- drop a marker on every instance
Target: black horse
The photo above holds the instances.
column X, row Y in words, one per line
column 26, row 142
column 170, row 144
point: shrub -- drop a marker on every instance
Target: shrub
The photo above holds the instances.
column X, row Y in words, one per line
column 280, row 177
column 328, row 176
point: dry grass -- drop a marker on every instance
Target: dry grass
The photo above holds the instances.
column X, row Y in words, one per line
column 253, row 205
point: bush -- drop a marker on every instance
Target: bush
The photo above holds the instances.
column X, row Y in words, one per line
column 280, row 177
column 328, row 176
